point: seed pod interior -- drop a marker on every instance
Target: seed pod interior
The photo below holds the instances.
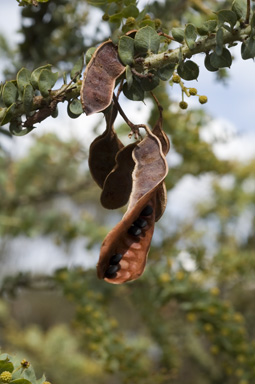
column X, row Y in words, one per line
column 118, row 183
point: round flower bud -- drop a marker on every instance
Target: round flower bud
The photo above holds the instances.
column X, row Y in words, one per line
column 105, row 17
column 176, row 79
column 25, row 363
column 130, row 21
column 157, row 23
column 202, row 99
column 5, row 377
column 183, row 105
column 193, row 91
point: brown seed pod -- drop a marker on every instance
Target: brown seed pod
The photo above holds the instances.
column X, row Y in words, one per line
column 161, row 196
column 99, row 78
column 103, row 150
column 118, row 184
column 129, row 239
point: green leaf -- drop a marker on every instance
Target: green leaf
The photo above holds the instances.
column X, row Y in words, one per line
column 28, row 95
column 8, row 114
column 10, row 93
column 219, row 42
column 207, row 27
column 75, row 107
column 41, row 380
column 147, row 40
column 147, row 22
column 178, row 34
column 208, row 64
column 89, row 54
column 166, row 72
column 135, row 92
column 188, row 70
column 36, row 73
column 29, row 374
column 148, row 84
column 126, row 50
column 6, row 365
column 240, row 8
column 23, row 78
column 47, row 80
column 130, row 11
column 190, row 35
column 116, row 18
column 227, row 16
column 77, row 68
column 21, row 381
column 252, row 23
column 248, row 49
column 222, row 61
column 129, row 76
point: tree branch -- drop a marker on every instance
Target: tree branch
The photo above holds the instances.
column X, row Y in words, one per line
column 203, row 45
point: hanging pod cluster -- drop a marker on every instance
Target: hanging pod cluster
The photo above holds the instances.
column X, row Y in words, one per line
column 132, row 174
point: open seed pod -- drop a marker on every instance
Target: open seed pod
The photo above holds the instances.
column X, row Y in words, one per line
column 118, row 184
column 124, row 250
column 103, row 150
column 99, row 78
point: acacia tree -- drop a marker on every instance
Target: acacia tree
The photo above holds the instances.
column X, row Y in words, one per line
column 186, row 319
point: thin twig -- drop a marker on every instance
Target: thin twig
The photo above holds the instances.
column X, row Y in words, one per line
column 247, row 19
column 134, row 127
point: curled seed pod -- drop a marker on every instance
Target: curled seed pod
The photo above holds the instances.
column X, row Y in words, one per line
column 99, row 78
column 118, row 183
column 161, row 196
column 161, row 201
column 158, row 131
column 103, row 150
column 149, row 172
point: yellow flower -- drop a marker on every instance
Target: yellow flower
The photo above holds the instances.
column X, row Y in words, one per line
column 215, row 291
column 6, row 377
column 180, row 275
column 164, row 277
column 238, row 318
column 215, row 349
column 191, row 317
column 208, row 327
column 212, row 310
column 239, row 372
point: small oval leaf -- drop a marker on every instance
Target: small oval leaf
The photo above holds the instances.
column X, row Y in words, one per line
column 190, row 35
column 36, row 73
column 135, row 92
column 178, row 34
column 46, row 81
column 222, row 61
column 188, row 70
column 23, row 79
column 147, row 41
column 10, row 93
column 126, row 50
column 28, row 95
column 77, row 68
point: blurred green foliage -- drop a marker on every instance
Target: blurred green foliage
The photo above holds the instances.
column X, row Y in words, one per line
column 177, row 324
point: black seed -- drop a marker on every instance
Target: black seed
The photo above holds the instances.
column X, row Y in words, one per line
column 115, row 259
column 111, row 271
column 147, row 211
column 135, row 231
column 141, row 223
